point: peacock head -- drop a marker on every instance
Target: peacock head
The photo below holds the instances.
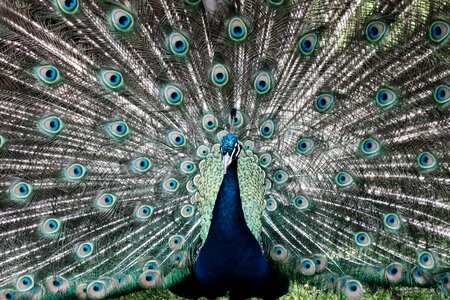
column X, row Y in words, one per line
column 230, row 149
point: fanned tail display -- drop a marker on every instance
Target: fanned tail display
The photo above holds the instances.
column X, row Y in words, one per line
column 223, row 146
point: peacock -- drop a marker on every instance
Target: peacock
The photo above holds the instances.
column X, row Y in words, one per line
column 223, row 147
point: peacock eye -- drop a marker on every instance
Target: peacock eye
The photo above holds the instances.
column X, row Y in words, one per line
column 426, row 161
column 375, row 31
column 426, row 260
column 118, row 129
column 96, row 290
column 68, row 6
column 171, row 185
column 177, row 44
column 265, row 160
column 50, row 227
column 308, row 43
column 84, row 250
column 263, row 82
column 370, row 147
column 105, row 201
column 8, row 294
column 202, row 151
column 209, row 123
column 187, row 167
column 353, row 289
column 418, row 275
column 392, row 221
column 176, row 242
column 149, row 279
column 362, row 239
column 219, row 75
column 267, row 129
column 143, row 212
column 301, row 202
column 386, row 98
column 176, row 139
column 279, row 253
column 320, row 262
column 330, row 280
column 140, row 165
column 238, row 120
column 442, row 94
column 172, row 95
column 187, row 211
column 25, row 283
column 20, row 191
column 276, row 2
column 237, row 29
column 280, row 177
column 307, row 267
column 324, row 103
column 48, row 74
column 50, row 126
column 439, row 31
column 249, row 145
column 75, row 172
column 151, row 265
column 394, row 272
column 122, row 20
column 271, row 205
column 343, row 179
column 306, row 146
column 112, row 79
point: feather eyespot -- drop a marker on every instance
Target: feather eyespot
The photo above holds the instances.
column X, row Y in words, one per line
column 188, row 167
column 56, row 284
column 267, row 129
column 362, row 239
column 7, row 294
column 178, row 44
column 353, row 289
column 25, row 283
column 117, row 129
column 187, row 211
column 320, row 262
column 263, row 82
column 442, row 95
column 209, row 123
column 249, row 145
column 307, row 267
column 370, row 147
column 275, row 3
column 171, row 185
column 238, row 120
column 305, row 146
column 308, row 43
column 386, row 98
column 392, row 221
column 151, row 265
column 419, row 275
column 68, row 6
column 143, row 212
column 394, row 272
column 179, row 259
column 324, row 103
column 112, row 79
column 172, row 95
column 105, row 201
column 140, row 165
column 330, row 280
column 439, row 32
column 149, row 279
column 202, row 151
column 176, row 139
column 426, row 260
column 426, row 161
column 301, row 202
column 445, row 283
column 96, row 290
column 280, row 177
column 84, row 250
column 265, row 160
column 48, row 74
column 219, row 75
column 271, row 204
column 176, row 242
column 50, row 227
column 375, row 31
column 344, row 179
column 21, row 191
column 50, row 125
column 237, row 29
column 75, row 172
column 122, row 20
column 279, row 253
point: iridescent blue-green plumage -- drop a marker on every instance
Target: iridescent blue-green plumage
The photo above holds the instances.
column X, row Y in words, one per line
column 223, row 146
